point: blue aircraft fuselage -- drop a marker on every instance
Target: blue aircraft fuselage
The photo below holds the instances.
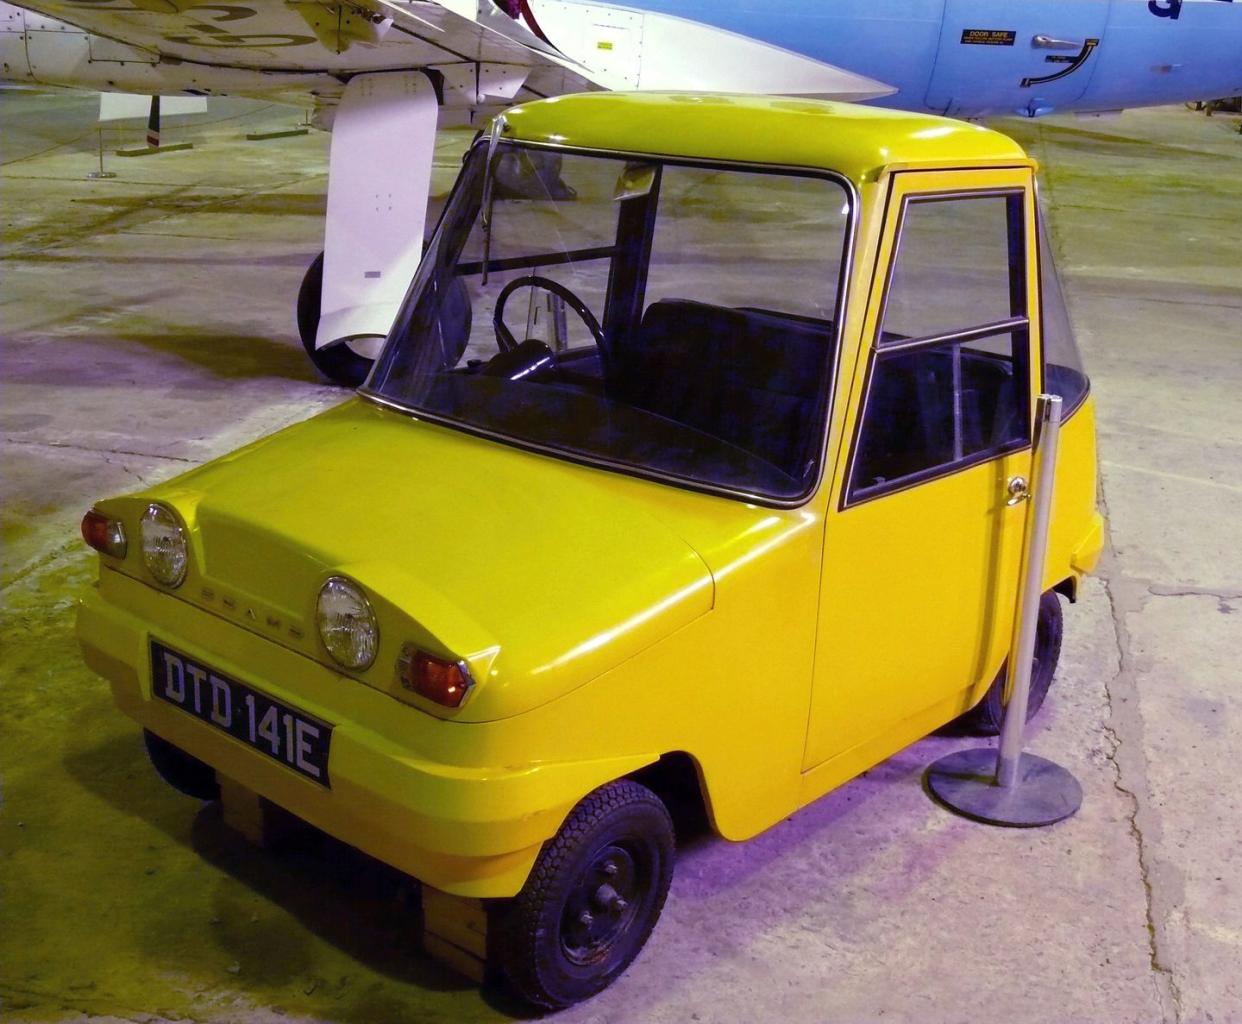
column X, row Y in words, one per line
column 976, row 57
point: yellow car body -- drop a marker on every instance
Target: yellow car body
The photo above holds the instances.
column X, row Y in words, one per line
column 609, row 621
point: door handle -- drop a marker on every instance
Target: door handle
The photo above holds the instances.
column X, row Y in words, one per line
column 1042, row 42
column 1019, row 490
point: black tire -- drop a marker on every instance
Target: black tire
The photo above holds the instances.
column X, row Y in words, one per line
column 339, row 363
column 617, row 842
column 184, row 773
column 985, row 718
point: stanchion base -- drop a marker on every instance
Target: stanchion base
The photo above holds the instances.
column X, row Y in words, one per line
column 96, row 175
column 965, row 782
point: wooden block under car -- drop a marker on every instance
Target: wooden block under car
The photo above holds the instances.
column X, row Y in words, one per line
column 260, row 821
column 455, row 932
column 454, row 927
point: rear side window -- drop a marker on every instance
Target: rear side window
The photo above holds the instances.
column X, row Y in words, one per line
column 1063, row 371
column 750, row 241
column 948, row 384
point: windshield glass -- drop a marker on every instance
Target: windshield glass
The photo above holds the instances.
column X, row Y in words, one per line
column 664, row 319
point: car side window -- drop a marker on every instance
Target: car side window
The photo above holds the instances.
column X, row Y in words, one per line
column 1063, row 370
column 948, row 381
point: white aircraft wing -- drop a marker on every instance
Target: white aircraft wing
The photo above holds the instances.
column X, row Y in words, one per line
column 485, row 56
column 309, row 37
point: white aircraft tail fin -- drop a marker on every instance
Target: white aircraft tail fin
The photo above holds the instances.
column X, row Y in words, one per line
column 123, row 106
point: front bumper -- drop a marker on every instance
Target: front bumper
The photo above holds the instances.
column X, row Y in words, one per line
column 466, row 829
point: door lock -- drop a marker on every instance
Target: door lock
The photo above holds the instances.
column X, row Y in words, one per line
column 1019, row 490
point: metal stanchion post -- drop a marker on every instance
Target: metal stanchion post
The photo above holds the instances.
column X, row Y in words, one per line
column 101, row 173
column 1006, row 786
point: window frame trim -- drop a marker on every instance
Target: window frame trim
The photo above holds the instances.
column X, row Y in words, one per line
column 851, row 497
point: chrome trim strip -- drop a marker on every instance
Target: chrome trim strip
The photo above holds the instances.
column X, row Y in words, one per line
column 1013, row 323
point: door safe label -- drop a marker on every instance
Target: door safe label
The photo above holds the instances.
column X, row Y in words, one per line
column 988, row 37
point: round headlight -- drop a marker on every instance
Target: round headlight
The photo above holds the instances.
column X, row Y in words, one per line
column 164, row 548
column 347, row 624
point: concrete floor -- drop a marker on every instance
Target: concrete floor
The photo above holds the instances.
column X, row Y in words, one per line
column 147, row 327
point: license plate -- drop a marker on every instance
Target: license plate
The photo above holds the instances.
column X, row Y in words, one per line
column 284, row 734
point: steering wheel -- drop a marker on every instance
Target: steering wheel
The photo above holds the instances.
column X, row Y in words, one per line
column 504, row 337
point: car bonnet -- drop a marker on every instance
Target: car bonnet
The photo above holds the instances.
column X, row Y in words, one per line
column 541, row 573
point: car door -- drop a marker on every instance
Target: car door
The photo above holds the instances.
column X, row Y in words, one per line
column 922, row 544
column 1010, row 58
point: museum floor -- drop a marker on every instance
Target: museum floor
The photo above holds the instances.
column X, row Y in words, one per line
column 147, row 326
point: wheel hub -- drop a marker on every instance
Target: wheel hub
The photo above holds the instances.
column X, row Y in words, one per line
column 601, row 905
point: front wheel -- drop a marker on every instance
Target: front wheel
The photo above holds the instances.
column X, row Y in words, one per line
column 592, row 898
column 985, row 718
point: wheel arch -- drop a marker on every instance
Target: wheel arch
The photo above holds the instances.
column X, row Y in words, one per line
column 677, row 779
column 1068, row 588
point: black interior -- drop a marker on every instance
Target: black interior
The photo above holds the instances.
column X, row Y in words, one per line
column 748, row 376
column 909, row 425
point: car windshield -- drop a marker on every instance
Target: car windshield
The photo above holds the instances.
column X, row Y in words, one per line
column 659, row 318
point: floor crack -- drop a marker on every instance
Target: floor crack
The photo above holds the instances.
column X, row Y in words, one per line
column 100, row 451
column 1125, row 596
column 1222, row 594
column 124, row 468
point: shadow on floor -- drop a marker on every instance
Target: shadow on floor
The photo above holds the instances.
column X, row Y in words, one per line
column 364, row 909
column 105, row 360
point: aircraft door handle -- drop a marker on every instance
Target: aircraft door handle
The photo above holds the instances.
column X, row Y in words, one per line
column 1018, row 490
column 1042, row 42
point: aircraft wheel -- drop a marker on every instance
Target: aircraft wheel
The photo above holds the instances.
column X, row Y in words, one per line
column 339, row 363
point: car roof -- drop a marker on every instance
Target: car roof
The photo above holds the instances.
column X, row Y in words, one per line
column 856, row 141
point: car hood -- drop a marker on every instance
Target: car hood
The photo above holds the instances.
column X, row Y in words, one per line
column 542, row 574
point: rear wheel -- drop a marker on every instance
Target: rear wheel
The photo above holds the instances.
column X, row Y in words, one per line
column 592, row 899
column 985, row 718
column 184, row 773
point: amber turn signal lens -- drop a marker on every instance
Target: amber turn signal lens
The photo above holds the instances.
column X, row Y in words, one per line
column 103, row 534
column 439, row 680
